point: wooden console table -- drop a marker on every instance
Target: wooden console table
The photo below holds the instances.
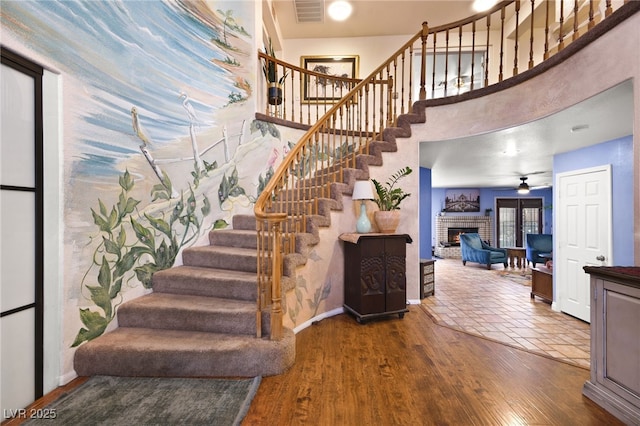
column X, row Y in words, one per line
column 375, row 282
column 542, row 283
column 519, row 253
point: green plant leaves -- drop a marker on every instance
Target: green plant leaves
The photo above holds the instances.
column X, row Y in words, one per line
column 125, row 181
column 264, row 128
column 143, row 234
column 116, row 261
column 389, row 198
column 159, row 224
column 229, row 187
column 95, row 325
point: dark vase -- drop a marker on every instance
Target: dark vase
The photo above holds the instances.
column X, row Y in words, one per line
column 274, row 93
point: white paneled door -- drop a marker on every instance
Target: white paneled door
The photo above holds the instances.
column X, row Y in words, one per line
column 583, row 235
column 21, row 273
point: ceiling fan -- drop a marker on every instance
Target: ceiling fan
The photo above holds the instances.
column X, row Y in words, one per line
column 523, row 188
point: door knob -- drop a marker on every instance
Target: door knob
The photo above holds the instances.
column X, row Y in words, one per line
column 600, row 258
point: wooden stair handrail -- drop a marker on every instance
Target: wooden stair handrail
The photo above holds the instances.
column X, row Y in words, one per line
column 359, row 118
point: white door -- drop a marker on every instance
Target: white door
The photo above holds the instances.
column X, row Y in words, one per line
column 21, row 273
column 583, row 234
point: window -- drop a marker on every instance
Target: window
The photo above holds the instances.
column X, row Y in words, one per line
column 517, row 217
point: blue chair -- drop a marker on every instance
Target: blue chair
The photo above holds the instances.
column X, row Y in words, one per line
column 475, row 250
column 538, row 248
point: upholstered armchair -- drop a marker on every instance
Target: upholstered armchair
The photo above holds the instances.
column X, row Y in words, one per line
column 538, row 248
column 475, row 250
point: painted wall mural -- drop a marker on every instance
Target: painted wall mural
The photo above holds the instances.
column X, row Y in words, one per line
column 160, row 144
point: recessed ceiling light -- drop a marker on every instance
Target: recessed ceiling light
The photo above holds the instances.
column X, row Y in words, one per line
column 339, row 10
column 482, row 5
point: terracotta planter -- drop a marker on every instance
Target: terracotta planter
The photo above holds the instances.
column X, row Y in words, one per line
column 387, row 221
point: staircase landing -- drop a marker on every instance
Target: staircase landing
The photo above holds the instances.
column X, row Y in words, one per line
column 174, row 353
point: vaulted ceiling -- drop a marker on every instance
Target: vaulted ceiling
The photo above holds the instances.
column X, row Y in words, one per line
column 608, row 115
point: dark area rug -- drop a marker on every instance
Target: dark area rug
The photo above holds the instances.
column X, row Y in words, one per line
column 106, row 400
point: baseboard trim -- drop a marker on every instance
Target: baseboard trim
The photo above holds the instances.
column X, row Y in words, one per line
column 615, row 405
column 66, row 378
column 317, row 318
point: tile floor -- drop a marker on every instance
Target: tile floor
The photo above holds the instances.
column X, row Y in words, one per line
column 486, row 303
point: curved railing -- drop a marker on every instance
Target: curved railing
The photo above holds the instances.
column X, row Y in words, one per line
column 306, row 94
column 448, row 61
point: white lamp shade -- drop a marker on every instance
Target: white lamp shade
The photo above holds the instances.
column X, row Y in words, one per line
column 362, row 190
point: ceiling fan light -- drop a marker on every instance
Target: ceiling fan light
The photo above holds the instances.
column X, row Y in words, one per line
column 523, row 188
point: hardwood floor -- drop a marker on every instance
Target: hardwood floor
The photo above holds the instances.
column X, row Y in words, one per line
column 412, row 371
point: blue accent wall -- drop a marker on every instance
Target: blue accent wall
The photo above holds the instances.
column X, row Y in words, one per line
column 618, row 153
column 426, row 226
column 487, row 200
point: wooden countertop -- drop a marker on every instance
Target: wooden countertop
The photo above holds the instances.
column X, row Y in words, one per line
column 628, row 275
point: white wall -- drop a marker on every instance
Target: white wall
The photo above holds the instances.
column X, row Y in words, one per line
column 372, row 50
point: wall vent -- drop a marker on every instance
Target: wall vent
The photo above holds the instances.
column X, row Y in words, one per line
column 309, row 10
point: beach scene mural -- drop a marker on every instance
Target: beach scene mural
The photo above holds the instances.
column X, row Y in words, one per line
column 159, row 141
column 159, row 144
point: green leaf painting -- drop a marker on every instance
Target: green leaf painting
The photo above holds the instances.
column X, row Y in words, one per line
column 135, row 246
column 229, row 187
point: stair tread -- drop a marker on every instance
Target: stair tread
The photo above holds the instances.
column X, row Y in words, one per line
column 236, row 251
column 244, row 238
column 202, row 271
column 138, row 338
column 133, row 351
column 190, row 303
column 236, row 231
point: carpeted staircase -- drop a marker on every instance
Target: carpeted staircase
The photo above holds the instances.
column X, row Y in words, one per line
column 200, row 319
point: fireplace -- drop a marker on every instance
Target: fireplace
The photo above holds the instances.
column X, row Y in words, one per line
column 453, row 234
column 450, row 226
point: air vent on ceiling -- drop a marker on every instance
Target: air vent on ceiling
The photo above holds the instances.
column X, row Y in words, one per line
column 309, row 10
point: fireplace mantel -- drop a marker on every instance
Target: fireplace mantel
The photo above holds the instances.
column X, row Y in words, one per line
column 443, row 223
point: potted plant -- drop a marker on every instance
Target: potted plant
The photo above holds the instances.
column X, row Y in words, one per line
column 388, row 201
column 274, row 84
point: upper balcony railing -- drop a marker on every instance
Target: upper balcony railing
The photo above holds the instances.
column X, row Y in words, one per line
column 346, row 116
column 460, row 57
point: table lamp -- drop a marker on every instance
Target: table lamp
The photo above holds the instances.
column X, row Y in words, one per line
column 362, row 191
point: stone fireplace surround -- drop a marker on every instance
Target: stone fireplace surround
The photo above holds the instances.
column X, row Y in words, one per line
column 443, row 223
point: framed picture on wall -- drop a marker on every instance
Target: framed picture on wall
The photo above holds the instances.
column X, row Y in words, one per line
column 462, row 200
column 323, row 88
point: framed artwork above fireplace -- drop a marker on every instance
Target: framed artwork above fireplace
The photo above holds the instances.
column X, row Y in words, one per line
column 462, row 200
